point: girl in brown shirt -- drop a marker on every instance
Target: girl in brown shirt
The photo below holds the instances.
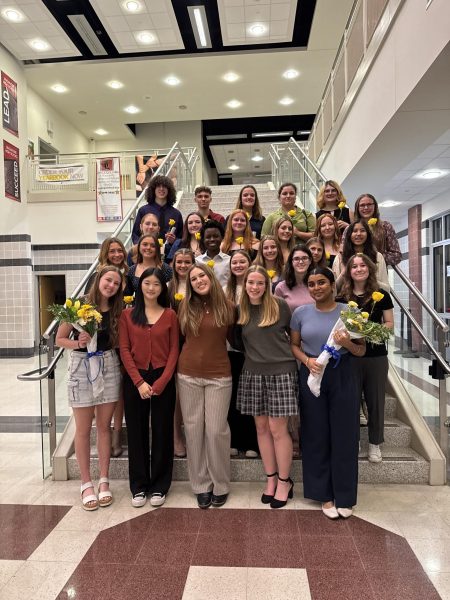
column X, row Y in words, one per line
column 204, row 384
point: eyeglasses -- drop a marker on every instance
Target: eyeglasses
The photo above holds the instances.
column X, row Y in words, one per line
column 301, row 259
column 366, row 205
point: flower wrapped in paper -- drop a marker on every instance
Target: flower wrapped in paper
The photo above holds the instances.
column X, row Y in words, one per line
column 84, row 317
column 357, row 323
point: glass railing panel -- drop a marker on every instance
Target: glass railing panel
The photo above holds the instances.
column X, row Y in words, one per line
column 339, row 85
column 355, row 44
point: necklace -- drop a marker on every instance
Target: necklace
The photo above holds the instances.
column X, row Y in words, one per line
column 206, row 308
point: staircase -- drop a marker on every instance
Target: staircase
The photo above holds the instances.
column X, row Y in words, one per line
column 401, row 464
column 225, row 197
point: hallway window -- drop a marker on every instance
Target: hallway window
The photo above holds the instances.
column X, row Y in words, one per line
column 441, row 264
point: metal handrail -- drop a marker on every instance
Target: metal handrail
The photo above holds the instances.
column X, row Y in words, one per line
column 53, row 325
column 444, row 364
column 146, row 152
column 42, row 374
column 423, row 301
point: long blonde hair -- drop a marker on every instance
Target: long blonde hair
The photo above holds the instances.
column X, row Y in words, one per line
column 190, row 312
column 229, row 236
column 270, row 309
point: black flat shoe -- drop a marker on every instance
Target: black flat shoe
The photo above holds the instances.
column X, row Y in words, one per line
column 267, row 498
column 280, row 503
column 219, row 500
column 204, row 499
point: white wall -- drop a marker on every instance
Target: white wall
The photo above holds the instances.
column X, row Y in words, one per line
column 416, row 39
column 13, row 214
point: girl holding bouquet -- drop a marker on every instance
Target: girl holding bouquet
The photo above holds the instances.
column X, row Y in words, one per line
column 329, row 423
column 106, row 295
column 360, row 286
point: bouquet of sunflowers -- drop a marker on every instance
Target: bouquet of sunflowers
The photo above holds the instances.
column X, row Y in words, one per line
column 77, row 312
column 84, row 317
column 358, row 324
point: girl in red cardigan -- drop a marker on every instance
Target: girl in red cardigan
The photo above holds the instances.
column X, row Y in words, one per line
column 149, row 347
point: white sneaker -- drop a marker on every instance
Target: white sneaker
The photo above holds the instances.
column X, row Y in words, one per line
column 157, row 499
column 234, row 451
column 251, row 454
column 374, row 453
column 362, row 417
column 139, row 499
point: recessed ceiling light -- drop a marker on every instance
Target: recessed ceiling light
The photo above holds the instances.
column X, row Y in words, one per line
column 231, row 77
column 101, row 131
column 13, row 15
column 39, row 45
column 233, row 167
column 234, row 104
column 432, row 174
column 132, row 109
column 145, row 37
column 389, row 204
column 59, row 88
column 115, row 85
column 257, row 158
column 257, row 29
column 132, row 6
column 291, row 74
column 286, row 101
column 172, row 80
column 182, row 107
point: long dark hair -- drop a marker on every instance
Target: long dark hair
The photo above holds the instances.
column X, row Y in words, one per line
column 155, row 238
column 186, row 236
column 371, row 284
column 289, row 272
column 349, row 250
column 167, row 183
column 138, row 315
column 256, row 211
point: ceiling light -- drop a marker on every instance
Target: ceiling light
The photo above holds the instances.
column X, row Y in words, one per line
column 233, row 167
column 272, row 134
column 145, row 37
column 433, row 174
column 115, row 85
column 59, row 88
column 39, row 45
column 257, row 29
column 388, row 204
column 132, row 6
column 231, row 77
column 291, row 74
column 285, row 101
column 172, row 80
column 257, row 158
column 234, row 104
column 101, row 131
column 201, row 29
column 304, row 132
column 132, row 109
column 13, row 15
column 199, row 23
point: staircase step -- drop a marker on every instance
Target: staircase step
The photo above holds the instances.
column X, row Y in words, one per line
column 396, row 433
column 399, row 465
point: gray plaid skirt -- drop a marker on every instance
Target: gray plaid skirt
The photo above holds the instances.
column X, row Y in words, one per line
column 271, row 395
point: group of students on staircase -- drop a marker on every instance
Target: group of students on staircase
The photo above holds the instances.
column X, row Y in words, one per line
column 228, row 319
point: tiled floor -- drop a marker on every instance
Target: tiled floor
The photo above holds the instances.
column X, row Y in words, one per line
column 396, row 547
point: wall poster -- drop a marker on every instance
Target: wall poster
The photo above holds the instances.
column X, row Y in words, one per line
column 109, row 195
column 10, row 116
column 12, row 171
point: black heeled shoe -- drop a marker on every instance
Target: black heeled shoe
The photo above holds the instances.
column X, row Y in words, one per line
column 267, row 498
column 275, row 503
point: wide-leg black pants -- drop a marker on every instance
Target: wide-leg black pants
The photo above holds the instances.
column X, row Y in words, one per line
column 146, row 476
column 329, row 433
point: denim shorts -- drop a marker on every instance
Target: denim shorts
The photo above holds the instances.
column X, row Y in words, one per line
column 79, row 388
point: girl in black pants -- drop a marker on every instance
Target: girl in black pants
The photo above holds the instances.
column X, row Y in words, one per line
column 149, row 347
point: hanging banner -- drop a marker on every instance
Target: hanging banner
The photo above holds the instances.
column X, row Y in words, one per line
column 109, row 196
column 12, row 172
column 10, row 116
column 68, row 174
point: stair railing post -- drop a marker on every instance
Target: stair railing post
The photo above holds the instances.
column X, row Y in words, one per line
column 444, row 398
column 51, row 424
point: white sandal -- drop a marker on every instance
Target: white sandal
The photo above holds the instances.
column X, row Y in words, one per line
column 104, row 498
column 88, row 501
